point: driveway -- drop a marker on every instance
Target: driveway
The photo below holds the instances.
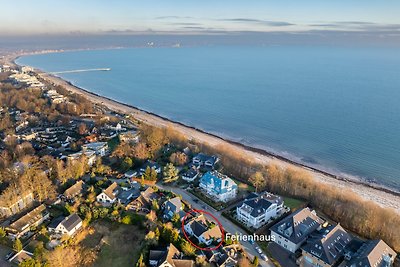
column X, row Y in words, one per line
column 281, row 255
column 227, row 225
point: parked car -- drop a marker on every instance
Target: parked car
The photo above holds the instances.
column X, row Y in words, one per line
column 264, row 257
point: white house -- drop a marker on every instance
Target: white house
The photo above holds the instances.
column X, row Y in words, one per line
column 90, row 156
column 100, row 148
column 68, row 225
column 205, row 232
column 109, row 195
column 294, row 230
column 190, row 175
column 218, row 186
column 255, row 212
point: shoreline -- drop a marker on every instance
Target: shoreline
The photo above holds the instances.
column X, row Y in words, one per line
column 377, row 193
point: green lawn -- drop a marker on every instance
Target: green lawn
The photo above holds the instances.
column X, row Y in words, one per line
column 113, row 143
column 293, row 203
column 119, row 244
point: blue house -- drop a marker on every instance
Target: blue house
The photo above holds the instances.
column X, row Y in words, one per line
column 218, row 186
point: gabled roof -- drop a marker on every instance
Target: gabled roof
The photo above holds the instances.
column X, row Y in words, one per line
column 200, row 227
column 257, row 205
column 172, row 255
column 112, row 190
column 218, row 181
column 30, row 218
column 372, row 253
column 298, row 226
column 71, row 221
column 203, row 158
column 173, row 204
column 328, row 244
column 75, row 189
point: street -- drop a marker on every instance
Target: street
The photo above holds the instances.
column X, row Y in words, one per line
column 227, row 225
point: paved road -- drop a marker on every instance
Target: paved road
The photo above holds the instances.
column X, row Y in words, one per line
column 227, row 225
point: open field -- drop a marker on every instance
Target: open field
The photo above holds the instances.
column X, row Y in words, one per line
column 118, row 244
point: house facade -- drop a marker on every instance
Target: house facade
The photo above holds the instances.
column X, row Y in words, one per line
column 203, row 160
column 67, row 226
column 293, row 231
column 32, row 219
column 218, row 186
column 12, row 207
column 100, row 148
column 205, row 232
column 109, row 195
column 258, row 211
column 172, row 207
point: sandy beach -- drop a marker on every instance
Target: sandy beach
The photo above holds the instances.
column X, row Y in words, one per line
column 383, row 197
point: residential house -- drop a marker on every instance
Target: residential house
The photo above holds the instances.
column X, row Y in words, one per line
column 293, row 231
column 144, row 201
column 9, row 207
column 66, row 226
column 203, row 230
column 170, row 257
column 173, row 206
column 32, row 219
column 131, row 136
column 114, row 193
column 74, row 191
column 90, row 156
column 152, row 165
column 257, row 211
column 371, row 253
column 223, row 256
column 218, row 186
column 100, row 148
column 190, row 175
column 203, row 160
column 325, row 247
column 109, row 195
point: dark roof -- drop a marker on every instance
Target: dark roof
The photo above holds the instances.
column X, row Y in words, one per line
column 192, row 172
column 258, row 205
column 174, row 205
column 328, row 244
column 372, row 253
column 298, row 226
column 202, row 158
column 71, row 221
column 55, row 222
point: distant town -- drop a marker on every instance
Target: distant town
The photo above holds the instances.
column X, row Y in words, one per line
column 84, row 185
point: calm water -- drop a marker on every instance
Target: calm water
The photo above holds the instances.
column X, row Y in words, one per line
column 334, row 108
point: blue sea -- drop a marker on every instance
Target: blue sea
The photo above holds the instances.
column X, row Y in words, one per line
column 334, row 108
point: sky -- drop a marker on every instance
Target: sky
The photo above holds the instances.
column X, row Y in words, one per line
column 27, row 17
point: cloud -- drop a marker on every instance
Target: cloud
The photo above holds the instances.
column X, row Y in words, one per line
column 185, row 24
column 259, row 21
column 173, row 17
column 357, row 26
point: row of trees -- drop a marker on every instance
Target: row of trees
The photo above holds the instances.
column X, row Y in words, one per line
column 363, row 217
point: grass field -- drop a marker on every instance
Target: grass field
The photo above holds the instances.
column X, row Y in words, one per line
column 293, row 203
column 118, row 244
